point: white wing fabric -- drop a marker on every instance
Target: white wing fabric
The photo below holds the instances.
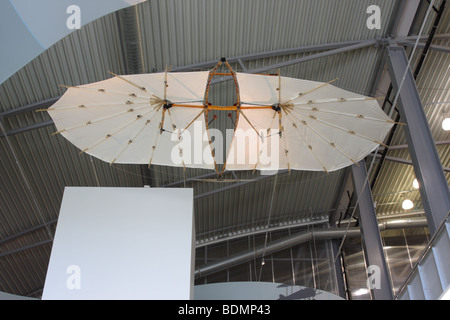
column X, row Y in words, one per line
column 119, row 120
column 282, row 123
column 313, row 126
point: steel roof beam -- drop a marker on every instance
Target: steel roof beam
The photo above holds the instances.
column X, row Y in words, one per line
column 270, row 54
column 31, row 246
column 403, row 161
column 405, row 146
column 370, row 232
column 236, row 185
column 180, row 182
column 27, row 128
column 356, row 46
column 30, row 107
column 405, row 27
column 440, row 36
column 332, row 49
column 28, row 231
column 428, row 169
column 433, row 47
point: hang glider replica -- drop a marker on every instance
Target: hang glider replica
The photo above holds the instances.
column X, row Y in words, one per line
column 162, row 118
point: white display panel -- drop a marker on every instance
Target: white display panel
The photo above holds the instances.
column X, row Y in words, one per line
column 123, row 243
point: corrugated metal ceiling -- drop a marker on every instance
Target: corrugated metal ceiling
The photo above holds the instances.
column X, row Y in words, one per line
column 146, row 38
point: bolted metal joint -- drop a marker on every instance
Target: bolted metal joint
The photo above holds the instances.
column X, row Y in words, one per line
column 167, row 104
column 276, row 107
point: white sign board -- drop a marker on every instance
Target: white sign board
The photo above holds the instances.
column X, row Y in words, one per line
column 123, row 243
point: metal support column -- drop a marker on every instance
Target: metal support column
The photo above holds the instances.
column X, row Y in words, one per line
column 339, row 270
column 434, row 189
column 373, row 247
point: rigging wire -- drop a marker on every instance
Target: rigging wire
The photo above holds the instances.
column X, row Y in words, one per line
column 268, row 225
column 408, row 67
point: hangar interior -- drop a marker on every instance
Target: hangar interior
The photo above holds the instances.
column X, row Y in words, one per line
column 294, row 227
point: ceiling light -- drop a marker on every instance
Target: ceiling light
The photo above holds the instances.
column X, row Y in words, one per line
column 416, row 184
column 360, row 292
column 446, row 124
column 407, row 204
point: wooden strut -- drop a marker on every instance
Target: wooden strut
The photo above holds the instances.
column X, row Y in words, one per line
column 208, row 106
column 219, row 108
